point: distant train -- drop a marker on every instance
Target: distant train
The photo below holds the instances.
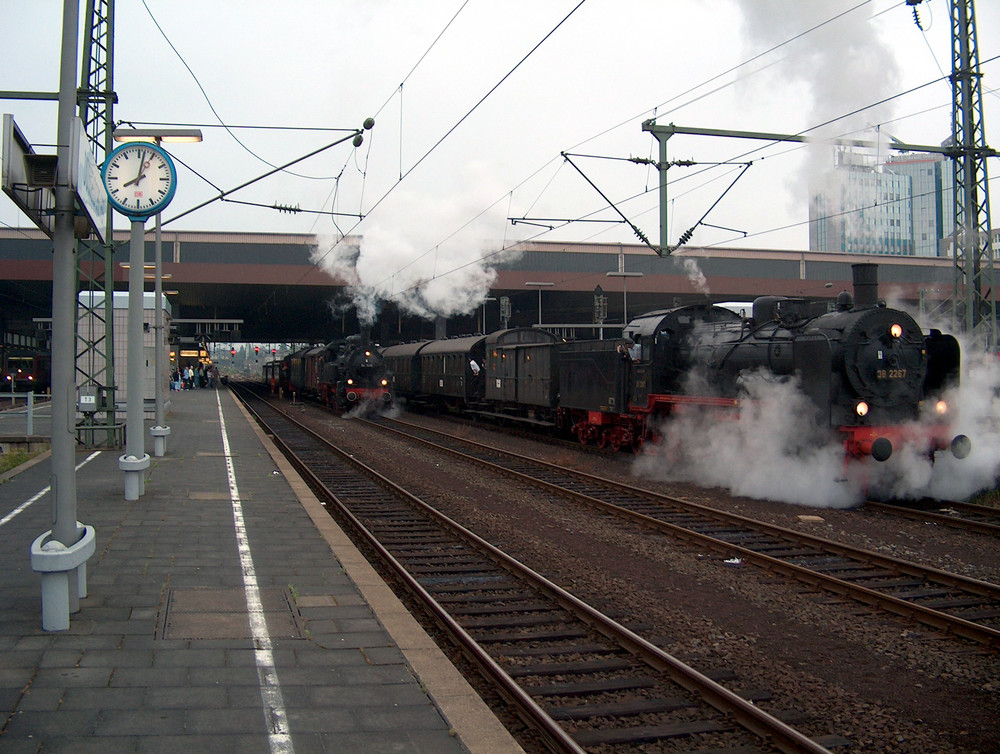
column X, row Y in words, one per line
column 868, row 370
column 344, row 374
column 25, row 370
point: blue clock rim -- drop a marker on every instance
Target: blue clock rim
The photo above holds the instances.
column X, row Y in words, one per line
column 162, row 203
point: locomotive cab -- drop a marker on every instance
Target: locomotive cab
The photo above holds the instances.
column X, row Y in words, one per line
column 665, row 340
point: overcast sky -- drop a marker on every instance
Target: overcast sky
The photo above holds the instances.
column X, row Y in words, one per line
column 475, row 100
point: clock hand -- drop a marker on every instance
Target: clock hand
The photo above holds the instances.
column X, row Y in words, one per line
column 142, row 167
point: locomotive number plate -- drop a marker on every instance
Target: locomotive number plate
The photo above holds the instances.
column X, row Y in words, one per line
column 890, row 374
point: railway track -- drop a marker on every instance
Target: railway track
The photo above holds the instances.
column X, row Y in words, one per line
column 950, row 603
column 967, row 516
column 953, row 514
column 576, row 676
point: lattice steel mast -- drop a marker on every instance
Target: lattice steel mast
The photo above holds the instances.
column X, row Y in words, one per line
column 95, row 263
column 974, row 268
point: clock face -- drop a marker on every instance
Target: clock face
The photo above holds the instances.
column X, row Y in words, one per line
column 140, row 179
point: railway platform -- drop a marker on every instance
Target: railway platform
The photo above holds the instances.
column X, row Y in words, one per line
column 225, row 611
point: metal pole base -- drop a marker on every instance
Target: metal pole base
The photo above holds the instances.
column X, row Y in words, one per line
column 64, row 575
column 160, row 435
column 135, row 475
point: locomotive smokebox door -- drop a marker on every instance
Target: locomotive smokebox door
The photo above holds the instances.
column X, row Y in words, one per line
column 813, row 362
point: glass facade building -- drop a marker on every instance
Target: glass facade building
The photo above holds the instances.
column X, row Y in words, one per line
column 901, row 207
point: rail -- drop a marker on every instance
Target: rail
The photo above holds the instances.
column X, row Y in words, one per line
column 930, row 596
column 365, row 499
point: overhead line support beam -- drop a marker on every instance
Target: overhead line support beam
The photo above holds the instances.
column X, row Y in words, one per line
column 663, row 133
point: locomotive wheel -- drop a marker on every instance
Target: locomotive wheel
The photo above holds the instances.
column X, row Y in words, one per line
column 616, row 442
column 638, row 444
column 602, row 440
column 639, row 441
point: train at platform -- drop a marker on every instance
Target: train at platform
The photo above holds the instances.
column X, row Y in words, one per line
column 870, row 373
column 346, row 374
column 25, row 370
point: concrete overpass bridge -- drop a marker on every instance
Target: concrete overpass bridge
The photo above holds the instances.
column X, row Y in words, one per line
column 269, row 283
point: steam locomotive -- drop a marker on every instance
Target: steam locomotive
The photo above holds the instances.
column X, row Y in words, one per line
column 344, row 374
column 868, row 371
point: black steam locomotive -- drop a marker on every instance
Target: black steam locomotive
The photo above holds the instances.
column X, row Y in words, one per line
column 868, row 371
column 343, row 374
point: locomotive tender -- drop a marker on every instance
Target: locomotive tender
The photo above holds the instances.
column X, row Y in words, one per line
column 868, row 370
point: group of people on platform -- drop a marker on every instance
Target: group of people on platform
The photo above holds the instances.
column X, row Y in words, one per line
column 198, row 376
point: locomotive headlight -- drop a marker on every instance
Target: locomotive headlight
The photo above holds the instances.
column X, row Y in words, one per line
column 941, row 407
column 861, row 409
column 350, row 381
column 896, row 331
column 385, row 382
column 368, row 354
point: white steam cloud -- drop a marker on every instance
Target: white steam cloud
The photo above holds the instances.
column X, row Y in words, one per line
column 774, row 451
column 832, row 63
column 694, row 274
column 411, row 264
column 839, row 68
column 978, row 404
column 771, row 451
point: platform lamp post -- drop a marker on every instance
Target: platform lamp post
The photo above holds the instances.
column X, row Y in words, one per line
column 159, row 431
column 488, row 298
column 624, row 276
column 539, row 286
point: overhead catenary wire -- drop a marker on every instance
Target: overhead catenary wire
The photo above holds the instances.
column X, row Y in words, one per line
column 450, row 131
column 737, row 67
column 461, row 120
column 508, row 194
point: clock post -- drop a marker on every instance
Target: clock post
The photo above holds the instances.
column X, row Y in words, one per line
column 140, row 180
column 136, row 460
column 160, row 431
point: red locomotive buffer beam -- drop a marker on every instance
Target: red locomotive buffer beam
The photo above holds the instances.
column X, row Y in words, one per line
column 880, row 442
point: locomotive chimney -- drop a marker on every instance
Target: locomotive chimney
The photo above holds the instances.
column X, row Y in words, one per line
column 366, row 336
column 865, row 284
